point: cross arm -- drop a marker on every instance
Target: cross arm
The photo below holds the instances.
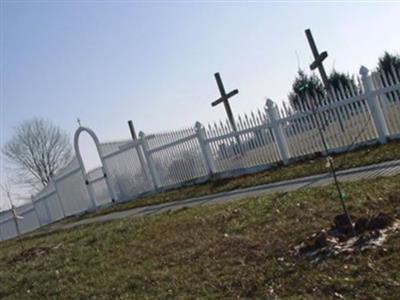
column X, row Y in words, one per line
column 319, row 60
column 225, row 98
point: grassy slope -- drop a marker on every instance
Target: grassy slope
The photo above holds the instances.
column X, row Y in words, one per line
column 360, row 157
column 240, row 249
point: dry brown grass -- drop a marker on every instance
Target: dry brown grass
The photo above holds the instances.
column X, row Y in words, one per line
column 236, row 250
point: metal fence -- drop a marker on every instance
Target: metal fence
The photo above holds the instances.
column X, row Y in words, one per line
column 349, row 117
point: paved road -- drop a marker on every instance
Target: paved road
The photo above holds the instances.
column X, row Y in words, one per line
column 383, row 169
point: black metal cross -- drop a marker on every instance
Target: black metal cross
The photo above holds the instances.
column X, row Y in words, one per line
column 319, row 58
column 225, row 99
column 79, row 122
column 318, row 63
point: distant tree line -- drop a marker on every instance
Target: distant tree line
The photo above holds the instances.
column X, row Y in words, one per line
column 342, row 84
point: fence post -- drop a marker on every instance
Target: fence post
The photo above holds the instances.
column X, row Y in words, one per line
column 140, row 153
column 205, row 148
column 374, row 105
column 150, row 161
column 272, row 111
column 54, row 183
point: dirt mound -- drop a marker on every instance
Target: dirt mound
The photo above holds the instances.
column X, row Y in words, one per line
column 381, row 221
column 29, row 254
column 369, row 232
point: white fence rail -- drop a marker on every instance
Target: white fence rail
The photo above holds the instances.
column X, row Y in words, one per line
column 349, row 117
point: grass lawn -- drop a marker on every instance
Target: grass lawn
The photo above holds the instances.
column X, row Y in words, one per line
column 240, row 249
column 356, row 158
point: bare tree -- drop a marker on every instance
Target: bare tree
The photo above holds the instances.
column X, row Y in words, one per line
column 37, row 150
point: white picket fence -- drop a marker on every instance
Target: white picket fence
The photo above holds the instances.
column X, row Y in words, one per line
column 273, row 135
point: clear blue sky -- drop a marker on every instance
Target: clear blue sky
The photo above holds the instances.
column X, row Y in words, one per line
column 108, row 62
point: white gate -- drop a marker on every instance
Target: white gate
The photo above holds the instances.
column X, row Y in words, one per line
column 97, row 181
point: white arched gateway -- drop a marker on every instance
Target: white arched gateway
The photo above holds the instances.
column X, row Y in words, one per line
column 97, row 180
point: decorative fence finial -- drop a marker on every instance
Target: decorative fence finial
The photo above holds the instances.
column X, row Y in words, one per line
column 364, row 71
column 198, row 125
column 269, row 104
